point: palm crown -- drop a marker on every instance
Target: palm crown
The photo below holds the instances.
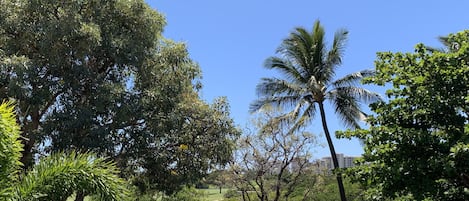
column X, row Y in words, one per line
column 308, row 69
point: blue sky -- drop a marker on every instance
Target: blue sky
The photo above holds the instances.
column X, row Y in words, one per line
column 231, row 39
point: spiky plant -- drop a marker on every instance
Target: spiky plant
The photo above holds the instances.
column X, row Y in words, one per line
column 10, row 150
column 55, row 177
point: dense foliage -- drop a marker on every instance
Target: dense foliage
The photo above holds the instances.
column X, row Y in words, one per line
column 417, row 145
column 98, row 76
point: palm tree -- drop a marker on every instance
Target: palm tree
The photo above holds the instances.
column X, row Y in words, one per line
column 308, row 69
column 449, row 45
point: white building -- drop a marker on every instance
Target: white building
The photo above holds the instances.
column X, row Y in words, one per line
column 344, row 162
column 348, row 161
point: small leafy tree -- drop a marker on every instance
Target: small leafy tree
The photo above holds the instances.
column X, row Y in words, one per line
column 272, row 161
column 220, row 178
column 417, row 145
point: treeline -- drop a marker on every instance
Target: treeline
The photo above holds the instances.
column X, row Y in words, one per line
column 98, row 103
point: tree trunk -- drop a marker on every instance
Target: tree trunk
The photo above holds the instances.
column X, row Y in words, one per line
column 80, row 196
column 29, row 139
column 244, row 195
column 333, row 154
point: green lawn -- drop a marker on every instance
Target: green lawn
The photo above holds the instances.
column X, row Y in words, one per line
column 213, row 194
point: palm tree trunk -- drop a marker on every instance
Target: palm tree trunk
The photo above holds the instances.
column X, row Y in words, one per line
column 333, row 154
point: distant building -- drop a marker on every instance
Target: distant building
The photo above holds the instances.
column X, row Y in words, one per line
column 299, row 163
column 348, row 161
column 344, row 162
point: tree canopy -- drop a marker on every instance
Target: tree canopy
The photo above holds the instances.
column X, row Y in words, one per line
column 417, row 145
column 98, row 76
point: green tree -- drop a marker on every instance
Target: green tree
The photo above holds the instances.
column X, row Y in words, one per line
column 98, row 76
column 201, row 145
column 417, row 145
column 61, row 54
column 308, row 68
column 56, row 177
column 222, row 178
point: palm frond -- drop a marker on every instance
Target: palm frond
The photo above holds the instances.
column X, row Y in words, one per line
column 318, row 51
column 435, row 49
column 335, row 54
column 359, row 94
column 353, row 78
column 445, row 41
column 283, row 120
column 304, row 119
column 348, row 109
column 296, row 119
column 297, row 50
column 449, row 45
column 338, row 46
column 275, row 101
column 273, row 86
column 60, row 175
column 346, row 101
column 286, row 68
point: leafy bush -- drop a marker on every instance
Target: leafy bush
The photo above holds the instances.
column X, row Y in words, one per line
column 201, row 185
column 231, row 193
column 186, row 194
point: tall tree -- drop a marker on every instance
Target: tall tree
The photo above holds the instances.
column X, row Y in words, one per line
column 98, row 76
column 417, row 145
column 308, row 68
column 56, row 54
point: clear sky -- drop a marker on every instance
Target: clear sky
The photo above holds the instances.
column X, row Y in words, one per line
column 230, row 39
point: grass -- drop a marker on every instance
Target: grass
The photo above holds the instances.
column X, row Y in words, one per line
column 213, row 194
column 210, row 194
